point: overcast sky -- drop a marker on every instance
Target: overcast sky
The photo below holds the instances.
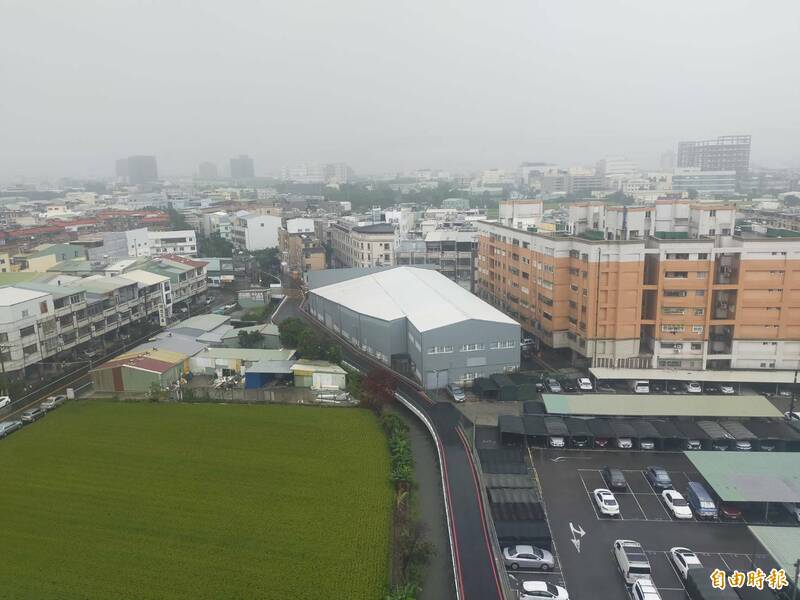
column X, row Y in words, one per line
column 390, row 86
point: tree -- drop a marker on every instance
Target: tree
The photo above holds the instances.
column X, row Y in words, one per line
column 290, row 331
column 378, row 389
column 250, row 339
column 215, row 246
column 268, row 260
column 176, row 219
column 156, row 393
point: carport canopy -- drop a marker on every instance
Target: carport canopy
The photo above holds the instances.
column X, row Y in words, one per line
column 664, row 405
column 534, row 425
column 691, row 431
column 781, row 543
column 772, row 430
column 667, row 430
column 511, row 424
column 601, row 428
column 622, row 429
column 645, row 429
column 577, row 427
column 704, row 376
column 750, row 476
column 555, row 426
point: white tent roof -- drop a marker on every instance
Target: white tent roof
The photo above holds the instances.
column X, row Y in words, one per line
column 426, row 297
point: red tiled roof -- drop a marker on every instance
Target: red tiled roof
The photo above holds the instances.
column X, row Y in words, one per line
column 183, row 260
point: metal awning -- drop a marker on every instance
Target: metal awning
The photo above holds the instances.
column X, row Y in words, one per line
column 691, row 431
column 667, row 430
column 577, row 427
column 555, row 426
column 750, row 476
column 511, row 424
column 601, row 428
column 765, row 376
column 534, row 425
column 622, row 429
column 644, row 429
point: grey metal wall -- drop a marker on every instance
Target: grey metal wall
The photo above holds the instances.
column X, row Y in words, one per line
column 399, row 337
column 440, row 369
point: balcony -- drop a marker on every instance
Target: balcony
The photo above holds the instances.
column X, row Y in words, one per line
column 720, row 339
column 726, row 269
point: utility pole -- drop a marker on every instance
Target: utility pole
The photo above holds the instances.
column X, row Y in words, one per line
column 796, row 564
column 791, row 408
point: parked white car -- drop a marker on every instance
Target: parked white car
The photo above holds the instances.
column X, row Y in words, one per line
column 694, row 387
column 727, row 389
column 677, row 504
column 644, row 589
column 684, row 559
column 536, row 590
column 585, row 384
column 5, row 401
column 606, row 502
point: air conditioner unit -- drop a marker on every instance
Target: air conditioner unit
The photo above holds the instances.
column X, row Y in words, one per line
column 679, row 346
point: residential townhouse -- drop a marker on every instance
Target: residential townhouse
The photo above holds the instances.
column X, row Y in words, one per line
column 362, row 246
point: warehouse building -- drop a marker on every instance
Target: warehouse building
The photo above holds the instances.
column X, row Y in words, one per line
column 420, row 322
column 136, row 371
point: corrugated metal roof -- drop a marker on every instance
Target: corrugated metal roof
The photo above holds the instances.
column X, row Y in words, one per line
column 781, row 543
column 765, row 376
column 248, row 354
column 145, row 277
column 662, row 405
column 427, row 298
column 280, row 367
column 207, row 322
column 750, row 476
column 317, row 366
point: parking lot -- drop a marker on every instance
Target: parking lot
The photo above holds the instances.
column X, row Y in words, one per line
column 582, row 538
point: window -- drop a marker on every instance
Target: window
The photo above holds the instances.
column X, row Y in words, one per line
column 547, row 316
column 26, row 331
column 28, row 350
column 43, row 307
column 673, row 310
column 701, row 274
column 678, row 256
column 702, row 256
column 699, row 312
column 440, row 349
column 672, row 328
column 25, row 313
column 697, row 346
column 472, row 347
column 712, row 213
column 699, row 293
column 573, row 287
column 697, row 329
column 676, row 275
column 674, row 293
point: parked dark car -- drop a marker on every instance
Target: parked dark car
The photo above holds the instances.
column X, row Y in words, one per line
column 614, row 478
column 674, row 388
column 658, row 478
column 656, row 387
column 711, row 388
column 569, row 387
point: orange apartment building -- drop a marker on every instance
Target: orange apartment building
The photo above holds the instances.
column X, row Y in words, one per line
column 641, row 290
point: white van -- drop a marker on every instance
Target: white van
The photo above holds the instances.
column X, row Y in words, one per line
column 631, row 561
column 640, row 386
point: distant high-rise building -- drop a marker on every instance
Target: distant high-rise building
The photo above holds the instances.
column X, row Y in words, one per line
column 138, row 169
column 242, row 167
column 616, row 165
column 339, row 173
column 122, row 169
column 207, row 170
column 666, row 161
column 726, row 153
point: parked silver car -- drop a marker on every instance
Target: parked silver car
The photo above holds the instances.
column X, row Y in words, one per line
column 7, row 427
column 528, row 557
column 52, row 402
column 32, row 414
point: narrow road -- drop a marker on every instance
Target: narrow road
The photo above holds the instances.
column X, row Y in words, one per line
column 476, row 574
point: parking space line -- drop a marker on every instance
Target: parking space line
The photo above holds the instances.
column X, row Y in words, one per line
column 641, row 510
column 535, row 477
column 658, row 497
column 589, row 496
column 675, row 570
column 722, row 558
